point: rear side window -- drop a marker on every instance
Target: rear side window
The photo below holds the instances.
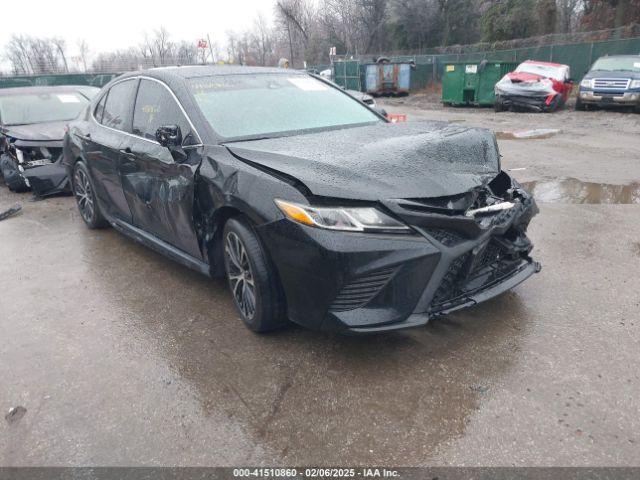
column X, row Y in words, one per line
column 156, row 107
column 117, row 109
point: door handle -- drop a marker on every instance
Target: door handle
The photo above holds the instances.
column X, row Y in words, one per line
column 127, row 153
column 86, row 137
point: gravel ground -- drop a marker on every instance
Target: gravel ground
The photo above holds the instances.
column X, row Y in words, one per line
column 111, row 354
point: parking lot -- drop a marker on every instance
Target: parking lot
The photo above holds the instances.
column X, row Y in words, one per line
column 122, row 357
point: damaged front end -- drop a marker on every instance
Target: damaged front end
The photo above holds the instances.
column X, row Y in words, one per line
column 35, row 165
column 533, row 86
column 482, row 240
column 462, row 249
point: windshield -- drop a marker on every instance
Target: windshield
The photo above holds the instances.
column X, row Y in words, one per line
column 246, row 106
column 617, row 64
column 559, row 72
column 30, row 108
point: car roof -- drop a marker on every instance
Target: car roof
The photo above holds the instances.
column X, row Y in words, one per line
column 42, row 89
column 209, row 70
column 548, row 64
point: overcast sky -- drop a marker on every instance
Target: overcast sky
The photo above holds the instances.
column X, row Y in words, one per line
column 113, row 24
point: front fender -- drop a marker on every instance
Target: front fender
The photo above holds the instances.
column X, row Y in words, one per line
column 226, row 187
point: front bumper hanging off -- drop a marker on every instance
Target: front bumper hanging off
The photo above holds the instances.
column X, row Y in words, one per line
column 537, row 103
column 36, row 166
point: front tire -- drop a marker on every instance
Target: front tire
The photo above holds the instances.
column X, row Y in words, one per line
column 253, row 280
column 86, row 198
column 11, row 175
column 581, row 107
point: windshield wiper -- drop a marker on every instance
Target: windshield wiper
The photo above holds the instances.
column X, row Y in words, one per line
column 248, row 139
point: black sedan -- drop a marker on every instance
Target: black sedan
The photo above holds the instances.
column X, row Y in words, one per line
column 32, row 126
column 316, row 208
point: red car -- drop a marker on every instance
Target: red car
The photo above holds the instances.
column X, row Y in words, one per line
column 538, row 86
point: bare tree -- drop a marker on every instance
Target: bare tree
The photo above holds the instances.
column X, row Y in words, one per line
column 17, row 53
column 162, row 45
column 567, row 14
column 297, row 17
column 186, row 53
column 61, row 45
column 83, row 51
column 261, row 39
column 31, row 55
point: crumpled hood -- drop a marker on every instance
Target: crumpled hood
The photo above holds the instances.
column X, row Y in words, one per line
column 382, row 161
column 527, row 84
column 37, row 132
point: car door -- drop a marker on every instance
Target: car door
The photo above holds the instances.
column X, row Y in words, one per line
column 110, row 126
column 159, row 190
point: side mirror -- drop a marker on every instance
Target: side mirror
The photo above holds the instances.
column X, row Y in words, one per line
column 169, row 136
column 381, row 111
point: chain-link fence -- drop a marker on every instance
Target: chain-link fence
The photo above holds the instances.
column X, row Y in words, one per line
column 579, row 55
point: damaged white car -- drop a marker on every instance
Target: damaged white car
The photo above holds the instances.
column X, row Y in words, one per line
column 536, row 86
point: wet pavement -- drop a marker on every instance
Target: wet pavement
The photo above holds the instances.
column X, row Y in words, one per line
column 572, row 190
column 111, row 354
column 536, row 133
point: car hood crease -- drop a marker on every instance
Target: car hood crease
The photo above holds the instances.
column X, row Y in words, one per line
column 382, row 161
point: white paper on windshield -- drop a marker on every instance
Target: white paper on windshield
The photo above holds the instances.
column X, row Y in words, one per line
column 636, row 64
column 66, row 98
column 308, row 84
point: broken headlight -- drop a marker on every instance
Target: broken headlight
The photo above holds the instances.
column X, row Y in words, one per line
column 350, row 219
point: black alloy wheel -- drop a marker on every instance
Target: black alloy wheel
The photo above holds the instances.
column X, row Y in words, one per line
column 254, row 283
column 85, row 197
column 240, row 276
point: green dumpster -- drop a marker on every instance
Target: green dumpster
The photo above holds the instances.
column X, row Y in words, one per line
column 347, row 74
column 472, row 83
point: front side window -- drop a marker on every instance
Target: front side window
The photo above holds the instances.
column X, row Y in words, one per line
column 99, row 111
column 30, row 108
column 155, row 107
column 117, row 109
column 245, row 106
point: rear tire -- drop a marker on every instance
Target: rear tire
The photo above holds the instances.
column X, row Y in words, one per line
column 86, row 200
column 253, row 280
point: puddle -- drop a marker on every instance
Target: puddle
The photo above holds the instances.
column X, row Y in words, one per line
column 534, row 134
column 572, row 190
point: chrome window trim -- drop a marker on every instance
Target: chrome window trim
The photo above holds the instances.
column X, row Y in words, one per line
column 141, row 77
